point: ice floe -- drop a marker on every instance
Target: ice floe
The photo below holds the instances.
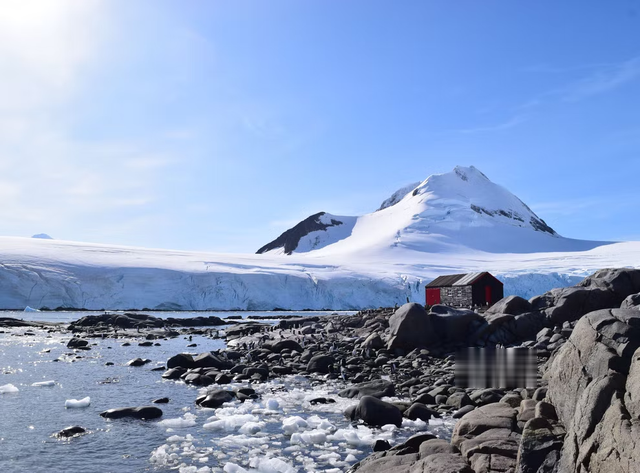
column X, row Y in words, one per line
column 77, row 403
column 8, row 389
column 44, row 383
column 188, row 420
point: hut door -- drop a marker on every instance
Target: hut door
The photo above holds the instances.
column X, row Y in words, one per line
column 487, row 294
column 433, row 296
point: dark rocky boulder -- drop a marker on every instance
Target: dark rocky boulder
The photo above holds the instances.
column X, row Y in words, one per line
column 513, row 305
column 372, row 411
column 174, row 373
column 454, row 325
column 286, row 345
column 410, row 327
column 209, row 360
column 418, row 410
column 138, row 362
column 182, row 360
column 77, row 343
column 376, row 388
column 320, row 364
column 70, row 432
column 215, row 399
column 143, row 413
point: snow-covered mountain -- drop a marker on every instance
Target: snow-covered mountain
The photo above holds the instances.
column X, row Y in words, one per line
column 448, row 224
column 448, row 212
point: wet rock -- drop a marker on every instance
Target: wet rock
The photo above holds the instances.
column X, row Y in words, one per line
column 215, row 399
column 143, row 413
column 162, row 400
column 321, row 400
column 209, row 360
column 174, row 373
column 420, row 411
column 77, row 343
column 381, row 445
column 182, row 360
column 372, row 411
column 70, row 432
column 138, row 362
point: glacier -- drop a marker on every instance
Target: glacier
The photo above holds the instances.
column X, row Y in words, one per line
column 450, row 223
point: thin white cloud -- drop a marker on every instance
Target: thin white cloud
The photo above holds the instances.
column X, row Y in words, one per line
column 506, row 125
column 604, row 79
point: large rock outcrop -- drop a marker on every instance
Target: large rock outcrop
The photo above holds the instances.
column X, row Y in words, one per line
column 593, row 382
column 410, row 328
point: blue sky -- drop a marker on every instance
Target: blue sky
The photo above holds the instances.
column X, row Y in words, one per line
column 216, row 125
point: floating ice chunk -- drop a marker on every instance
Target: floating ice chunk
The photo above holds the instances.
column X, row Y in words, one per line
column 233, row 468
column 8, row 388
column 30, row 309
column 188, row 420
column 73, row 403
column 44, row 383
column 241, row 441
column 418, row 423
column 293, row 424
column 231, row 422
column 351, row 458
column 251, row 428
column 309, row 437
column 273, row 404
column 272, row 465
column 194, row 469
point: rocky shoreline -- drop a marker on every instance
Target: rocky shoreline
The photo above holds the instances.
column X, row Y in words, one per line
column 587, row 339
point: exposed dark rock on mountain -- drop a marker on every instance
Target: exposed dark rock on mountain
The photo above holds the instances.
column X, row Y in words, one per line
column 289, row 240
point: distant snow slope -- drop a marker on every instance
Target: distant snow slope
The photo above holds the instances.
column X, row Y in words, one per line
column 450, row 223
column 53, row 273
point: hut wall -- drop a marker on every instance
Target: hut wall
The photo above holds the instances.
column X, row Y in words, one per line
column 479, row 291
column 456, row 296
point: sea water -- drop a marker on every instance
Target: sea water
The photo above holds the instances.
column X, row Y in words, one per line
column 280, row 432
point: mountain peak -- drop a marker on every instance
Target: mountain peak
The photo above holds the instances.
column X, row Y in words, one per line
column 458, row 209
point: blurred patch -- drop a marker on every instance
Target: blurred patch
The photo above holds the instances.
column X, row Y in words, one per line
column 505, row 368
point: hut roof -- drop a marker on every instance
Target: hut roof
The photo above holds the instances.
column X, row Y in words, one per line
column 456, row 279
